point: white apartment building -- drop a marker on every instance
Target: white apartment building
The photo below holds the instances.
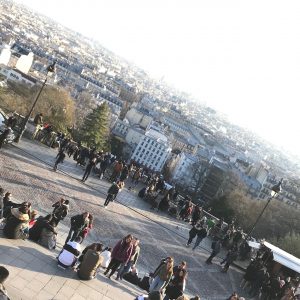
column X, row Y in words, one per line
column 152, row 150
column 16, row 75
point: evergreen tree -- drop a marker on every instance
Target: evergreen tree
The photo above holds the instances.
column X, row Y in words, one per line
column 95, row 129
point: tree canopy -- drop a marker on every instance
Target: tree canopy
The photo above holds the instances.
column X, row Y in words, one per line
column 95, row 129
column 55, row 103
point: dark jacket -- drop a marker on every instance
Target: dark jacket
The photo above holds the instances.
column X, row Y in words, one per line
column 60, row 210
column 78, row 222
column 114, row 189
column 122, row 251
column 36, row 230
column 194, row 230
column 202, row 233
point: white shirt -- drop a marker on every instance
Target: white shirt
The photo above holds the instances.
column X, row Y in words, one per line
column 106, row 258
column 66, row 257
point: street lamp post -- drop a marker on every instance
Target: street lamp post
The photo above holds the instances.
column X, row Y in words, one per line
column 274, row 192
column 50, row 69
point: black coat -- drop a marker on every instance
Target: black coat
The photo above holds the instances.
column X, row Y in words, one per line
column 114, row 189
column 202, row 233
column 36, row 230
column 78, row 222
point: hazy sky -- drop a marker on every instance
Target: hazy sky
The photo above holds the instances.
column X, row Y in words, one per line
column 241, row 57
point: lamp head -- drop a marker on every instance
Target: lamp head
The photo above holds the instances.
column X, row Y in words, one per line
column 276, row 188
column 51, row 68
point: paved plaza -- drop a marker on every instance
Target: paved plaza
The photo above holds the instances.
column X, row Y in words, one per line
column 26, row 171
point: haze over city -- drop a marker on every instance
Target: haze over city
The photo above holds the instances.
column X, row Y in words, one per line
column 240, row 58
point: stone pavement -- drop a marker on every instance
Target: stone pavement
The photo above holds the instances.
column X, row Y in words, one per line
column 34, row 275
column 29, row 178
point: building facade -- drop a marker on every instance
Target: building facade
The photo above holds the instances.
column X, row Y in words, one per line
column 152, row 150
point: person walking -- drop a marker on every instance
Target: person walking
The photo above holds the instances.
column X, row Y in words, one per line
column 88, row 169
column 121, row 253
column 216, row 248
column 192, row 233
column 113, row 192
column 78, row 223
column 201, row 234
column 132, row 262
column 38, row 122
column 162, row 276
column 60, row 159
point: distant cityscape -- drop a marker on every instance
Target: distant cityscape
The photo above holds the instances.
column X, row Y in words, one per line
column 162, row 129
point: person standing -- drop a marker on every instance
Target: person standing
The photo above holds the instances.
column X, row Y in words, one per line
column 132, row 262
column 216, row 248
column 121, row 254
column 61, row 209
column 192, row 233
column 162, row 276
column 78, row 223
column 38, row 122
column 202, row 233
column 89, row 168
column 113, row 192
column 60, row 159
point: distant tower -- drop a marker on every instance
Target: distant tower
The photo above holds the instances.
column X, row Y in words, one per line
column 24, row 63
column 5, row 55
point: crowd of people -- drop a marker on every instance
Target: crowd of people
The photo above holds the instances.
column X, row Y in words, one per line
column 167, row 281
column 21, row 221
column 260, row 281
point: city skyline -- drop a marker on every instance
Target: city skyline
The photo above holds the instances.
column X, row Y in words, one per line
column 241, row 60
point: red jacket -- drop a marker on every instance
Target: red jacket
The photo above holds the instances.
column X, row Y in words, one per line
column 122, row 251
